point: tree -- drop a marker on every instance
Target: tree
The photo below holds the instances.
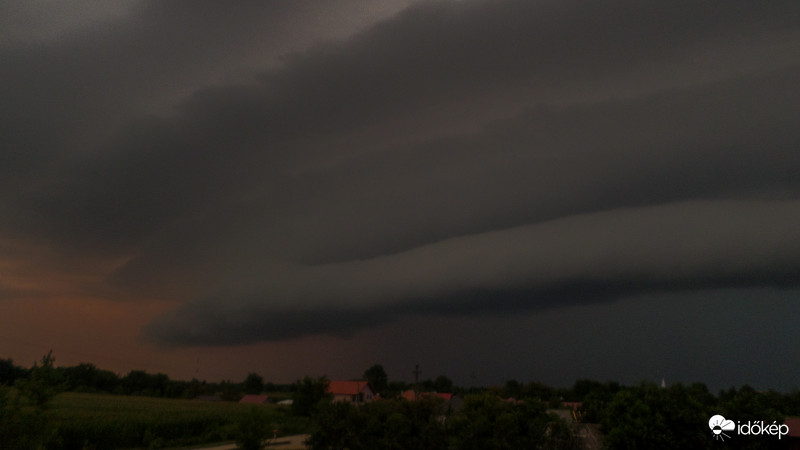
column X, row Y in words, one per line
column 253, row 384
column 594, row 397
column 583, row 388
column 86, row 377
column 487, row 422
column 9, row 372
column 252, row 429
column 139, row 382
column 42, row 384
column 443, row 384
column 387, row 424
column 377, row 379
column 307, row 393
column 745, row 405
column 648, row 416
column 541, row 391
column 335, row 426
column 23, row 422
column 561, row 435
column 512, row 389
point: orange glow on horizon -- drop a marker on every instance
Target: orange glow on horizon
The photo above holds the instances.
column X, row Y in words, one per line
column 102, row 332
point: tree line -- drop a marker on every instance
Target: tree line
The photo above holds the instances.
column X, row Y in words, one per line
column 484, row 421
column 514, row 415
column 88, row 378
column 519, row 416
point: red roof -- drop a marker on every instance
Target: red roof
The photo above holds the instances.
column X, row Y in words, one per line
column 346, row 387
column 794, row 426
column 257, row 399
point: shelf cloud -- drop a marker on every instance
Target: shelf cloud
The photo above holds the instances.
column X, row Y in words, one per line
column 284, row 170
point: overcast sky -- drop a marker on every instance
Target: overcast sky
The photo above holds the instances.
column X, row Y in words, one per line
column 538, row 190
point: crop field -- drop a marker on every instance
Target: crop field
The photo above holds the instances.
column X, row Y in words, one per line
column 110, row 421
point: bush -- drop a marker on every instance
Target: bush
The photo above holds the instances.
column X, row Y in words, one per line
column 24, row 423
column 253, row 429
column 385, row 424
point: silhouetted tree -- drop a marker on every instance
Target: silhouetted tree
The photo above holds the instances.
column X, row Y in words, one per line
column 513, row 389
column 377, row 379
column 386, row 424
column 139, row 382
column 23, row 422
column 748, row 405
column 443, row 384
column 307, row 393
column 648, row 416
column 487, row 422
column 9, row 372
column 43, row 382
column 252, row 429
column 539, row 391
column 253, row 384
column 335, row 426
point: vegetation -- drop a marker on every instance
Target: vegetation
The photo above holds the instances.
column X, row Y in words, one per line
column 387, row 424
column 484, row 422
column 378, row 379
column 253, row 384
column 83, row 420
column 649, row 416
column 86, row 377
column 488, row 422
column 309, row 392
column 36, row 413
column 24, row 422
column 110, row 421
column 253, row 428
column 83, row 407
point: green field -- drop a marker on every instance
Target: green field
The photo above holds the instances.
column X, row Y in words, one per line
column 110, row 421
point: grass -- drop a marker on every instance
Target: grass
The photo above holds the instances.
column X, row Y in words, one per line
column 110, row 421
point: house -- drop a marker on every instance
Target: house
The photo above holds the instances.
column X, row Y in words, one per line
column 356, row 392
column 254, row 399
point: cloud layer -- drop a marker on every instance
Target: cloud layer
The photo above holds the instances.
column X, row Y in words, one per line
column 584, row 258
column 468, row 158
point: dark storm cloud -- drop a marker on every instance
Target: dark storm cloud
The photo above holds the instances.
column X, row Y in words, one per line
column 66, row 94
column 617, row 253
column 457, row 158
